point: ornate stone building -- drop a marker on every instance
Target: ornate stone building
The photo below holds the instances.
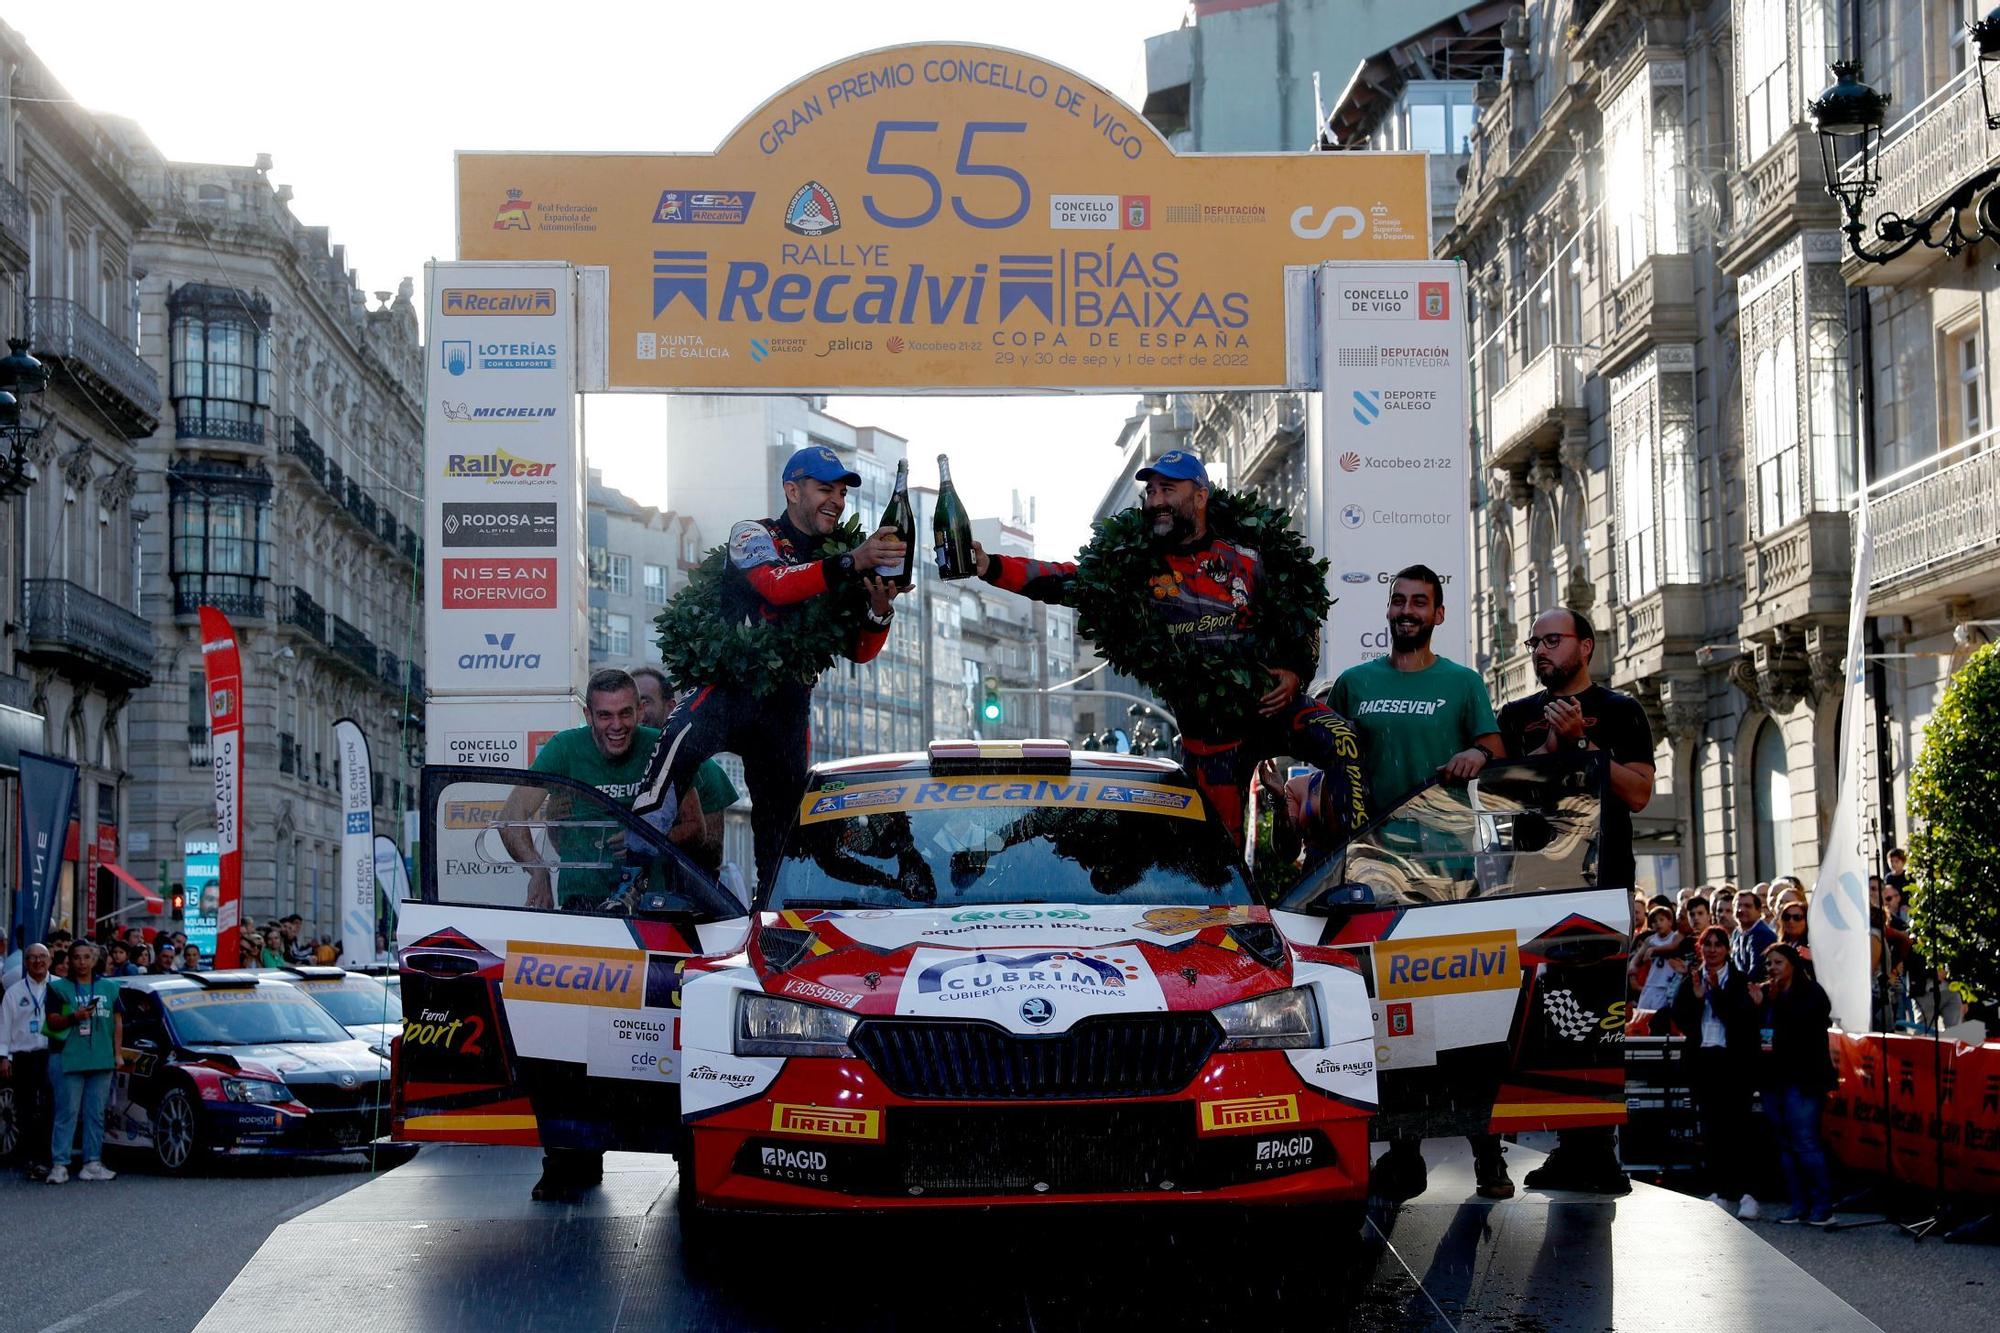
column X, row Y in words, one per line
column 75, row 649
column 287, row 477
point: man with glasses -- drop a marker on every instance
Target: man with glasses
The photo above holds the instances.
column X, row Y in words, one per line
column 1571, row 713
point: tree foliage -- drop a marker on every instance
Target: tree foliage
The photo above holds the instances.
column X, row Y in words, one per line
column 1955, row 808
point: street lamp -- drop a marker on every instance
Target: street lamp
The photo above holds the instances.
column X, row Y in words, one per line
column 1848, row 118
column 1986, row 41
column 21, row 376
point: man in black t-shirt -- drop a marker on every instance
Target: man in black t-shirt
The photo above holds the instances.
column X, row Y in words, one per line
column 1570, row 713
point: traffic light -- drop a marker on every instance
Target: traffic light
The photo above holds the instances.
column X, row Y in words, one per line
column 990, row 710
column 177, row 901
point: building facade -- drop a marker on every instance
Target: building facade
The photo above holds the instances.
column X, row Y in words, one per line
column 287, row 481
column 77, row 651
column 640, row 557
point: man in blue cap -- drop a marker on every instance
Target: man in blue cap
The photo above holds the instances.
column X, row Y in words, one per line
column 775, row 565
column 1208, row 590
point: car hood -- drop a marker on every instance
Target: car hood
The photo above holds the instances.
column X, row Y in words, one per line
column 310, row 1062
column 375, row 1034
column 1032, row 968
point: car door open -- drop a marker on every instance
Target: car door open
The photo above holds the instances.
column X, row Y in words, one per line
column 1494, row 958
column 541, row 966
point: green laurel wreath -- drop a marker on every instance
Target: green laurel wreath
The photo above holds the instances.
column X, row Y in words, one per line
column 700, row 644
column 1221, row 682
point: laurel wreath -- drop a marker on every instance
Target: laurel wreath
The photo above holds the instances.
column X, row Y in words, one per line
column 1119, row 577
column 711, row 634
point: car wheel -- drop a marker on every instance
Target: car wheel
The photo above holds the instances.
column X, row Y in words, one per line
column 10, row 1126
column 176, row 1131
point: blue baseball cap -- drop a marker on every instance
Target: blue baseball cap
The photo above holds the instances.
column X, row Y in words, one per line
column 1175, row 465
column 821, row 464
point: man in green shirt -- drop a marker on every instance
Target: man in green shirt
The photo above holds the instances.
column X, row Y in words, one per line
column 1421, row 716
column 608, row 753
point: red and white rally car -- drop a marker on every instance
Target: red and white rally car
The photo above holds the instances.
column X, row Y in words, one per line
column 1000, row 973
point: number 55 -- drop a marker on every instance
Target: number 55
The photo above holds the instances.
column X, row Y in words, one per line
column 965, row 166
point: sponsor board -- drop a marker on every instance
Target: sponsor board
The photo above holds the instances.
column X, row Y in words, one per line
column 521, row 523
column 995, row 983
column 1288, row 1152
column 776, row 1162
column 1387, row 473
column 523, row 585
column 631, row 1046
column 1083, row 793
column 826, row 1122
column 1446, row 965
column 460, row 356
column 1005, row 224
column 1234, row 1113
column 499, row 467
column 605, row 978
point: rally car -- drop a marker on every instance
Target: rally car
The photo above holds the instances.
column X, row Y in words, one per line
column 362, row 1004
column 1001, row 973
column 238, row 1063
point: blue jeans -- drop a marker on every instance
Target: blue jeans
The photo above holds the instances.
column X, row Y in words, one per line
column 1795, row 1115
column 90, row 1092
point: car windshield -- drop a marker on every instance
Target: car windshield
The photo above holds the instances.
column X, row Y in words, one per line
column 355, row 1000
column 920, row 842
column 253, row 1016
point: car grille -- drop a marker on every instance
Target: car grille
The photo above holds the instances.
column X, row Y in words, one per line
column 1071, row 1150
column 333, row 1097
column 1147, row 1055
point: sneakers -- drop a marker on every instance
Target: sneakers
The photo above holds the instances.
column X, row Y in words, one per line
column 1824, row 1220
column 1791, row 1219
column 1718, row 1201
column 58, row 1175
column 1399, row 1173
column 96, row 1171
column 1746, row 1209
column 1490, row 1175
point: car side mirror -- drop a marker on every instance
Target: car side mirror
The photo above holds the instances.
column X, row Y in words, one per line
column 144, row 1044
column 1342, row 901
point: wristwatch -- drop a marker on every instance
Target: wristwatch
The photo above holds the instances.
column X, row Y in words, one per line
column 881, row 621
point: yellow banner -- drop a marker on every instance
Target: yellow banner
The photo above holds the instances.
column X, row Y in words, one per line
column 1446, row 965
column 943, row 218
column 1081, row 793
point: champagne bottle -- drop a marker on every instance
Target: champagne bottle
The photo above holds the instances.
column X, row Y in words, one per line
column 951, row 530
column 903, row 519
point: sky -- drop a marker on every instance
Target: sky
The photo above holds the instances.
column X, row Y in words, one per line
column 362, row 105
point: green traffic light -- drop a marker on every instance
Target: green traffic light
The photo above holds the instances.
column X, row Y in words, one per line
column 991, row 711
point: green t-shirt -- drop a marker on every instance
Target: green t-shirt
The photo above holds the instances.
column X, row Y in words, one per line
column 1411, row 722
column 572, row 754
column 713, row 786
column 83, row 1054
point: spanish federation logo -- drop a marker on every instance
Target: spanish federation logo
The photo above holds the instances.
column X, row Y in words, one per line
column 514, row 214
column 812, row 211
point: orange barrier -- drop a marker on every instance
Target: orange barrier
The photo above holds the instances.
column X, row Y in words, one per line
column 1887, row 1117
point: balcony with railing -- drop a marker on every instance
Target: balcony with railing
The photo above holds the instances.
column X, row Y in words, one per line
column 73, row 628
column 13, row 224
column 352, row 646
column 1654, row 304
column 76, row 344
column 1538, row 405
column 190, row 597
column 223, row 429
column 296, row 443
column 200, row 747
column 1936, row 527
column 297, row 608
column 1921, row 157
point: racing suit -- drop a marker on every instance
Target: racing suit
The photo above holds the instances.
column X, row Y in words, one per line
column 1207, row 592
column 773, row 568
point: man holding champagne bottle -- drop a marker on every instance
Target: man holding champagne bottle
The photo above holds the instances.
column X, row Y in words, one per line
column 1208, row 588
column 775, row 565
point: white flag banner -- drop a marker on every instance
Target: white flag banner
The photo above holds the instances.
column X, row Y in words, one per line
column 1838, row 915
column 357, row 846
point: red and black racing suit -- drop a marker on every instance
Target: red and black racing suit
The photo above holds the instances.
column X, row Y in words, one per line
column 774, row 567
column 1207, row 593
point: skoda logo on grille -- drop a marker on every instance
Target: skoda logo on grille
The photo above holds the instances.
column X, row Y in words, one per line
column 1037, row 1012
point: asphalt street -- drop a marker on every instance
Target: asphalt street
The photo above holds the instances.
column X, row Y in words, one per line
column 145, row 1252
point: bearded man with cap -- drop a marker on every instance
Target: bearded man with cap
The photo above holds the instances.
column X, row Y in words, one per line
column 1208, row 590
column 775, row 565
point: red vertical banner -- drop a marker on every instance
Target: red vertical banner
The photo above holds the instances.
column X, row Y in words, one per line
column 223, row 666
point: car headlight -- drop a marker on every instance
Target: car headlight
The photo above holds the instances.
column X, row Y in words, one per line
column 260, row 1090
column 768, row 1025
column 1284, row 1020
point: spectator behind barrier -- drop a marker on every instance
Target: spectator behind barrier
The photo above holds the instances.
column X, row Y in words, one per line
column 1797, row 1076
column 1716, row 1011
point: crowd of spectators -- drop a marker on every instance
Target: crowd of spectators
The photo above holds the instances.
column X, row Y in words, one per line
column 60, row 1023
